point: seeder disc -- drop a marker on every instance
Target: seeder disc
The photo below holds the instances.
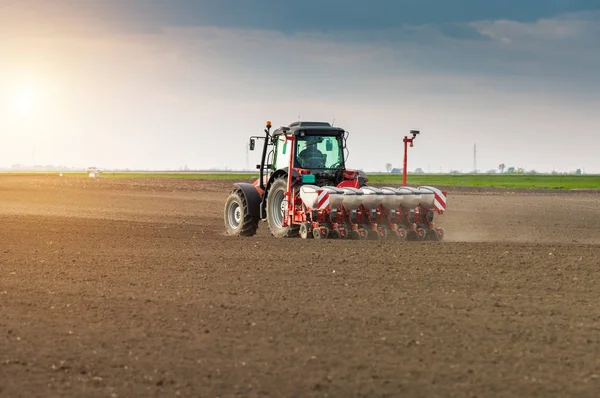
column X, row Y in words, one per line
column 304, row 234
column 318, row 234
column 441, row 233
column 411, row 235
column 432, row 235
column 354, row 235
column 335, row 234
column 373, row 235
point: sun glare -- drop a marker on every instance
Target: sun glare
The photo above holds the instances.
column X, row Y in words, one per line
column 24, row 100
column 27, row 99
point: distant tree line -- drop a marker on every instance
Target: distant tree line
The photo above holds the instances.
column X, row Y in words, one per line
column 520, row 170
column 501, row 168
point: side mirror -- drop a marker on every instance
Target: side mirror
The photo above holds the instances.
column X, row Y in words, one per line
column 328, row 146
column 252, row 144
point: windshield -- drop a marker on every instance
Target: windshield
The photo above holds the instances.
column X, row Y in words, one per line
column 319, row 152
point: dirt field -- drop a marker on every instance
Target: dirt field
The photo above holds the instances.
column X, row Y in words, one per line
column 129, row 288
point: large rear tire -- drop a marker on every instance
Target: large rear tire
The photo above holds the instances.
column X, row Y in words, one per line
column 276, row 204
column 237, row 220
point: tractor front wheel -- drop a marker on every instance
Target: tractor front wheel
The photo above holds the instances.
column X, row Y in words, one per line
column 276, row 206
column 237, row 220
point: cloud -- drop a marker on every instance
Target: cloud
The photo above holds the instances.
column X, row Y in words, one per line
column 325, row 16
column 579, row 28
column 174, row 89
column 541, row 56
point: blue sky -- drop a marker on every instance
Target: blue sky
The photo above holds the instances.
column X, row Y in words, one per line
column 323, row 15
column 169, row 83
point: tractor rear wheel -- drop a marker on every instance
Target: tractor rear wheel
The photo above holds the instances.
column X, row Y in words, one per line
column 276, row 205
column 237, row 220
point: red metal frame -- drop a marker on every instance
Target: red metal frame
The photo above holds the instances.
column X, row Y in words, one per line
column 362, row 222
column 289, row 195
column 378, row 222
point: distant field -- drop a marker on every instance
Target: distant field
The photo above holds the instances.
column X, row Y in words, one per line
column 466, row 180
column 499, row 181
column 206, row 176
column 108, row 174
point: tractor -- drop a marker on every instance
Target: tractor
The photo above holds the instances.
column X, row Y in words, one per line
column 305, row 190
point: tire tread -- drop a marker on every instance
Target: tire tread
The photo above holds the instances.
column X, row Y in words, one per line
column 250, row 224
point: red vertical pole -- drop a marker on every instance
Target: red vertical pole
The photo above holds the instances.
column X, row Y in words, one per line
column 289, row 194
column 406, row 140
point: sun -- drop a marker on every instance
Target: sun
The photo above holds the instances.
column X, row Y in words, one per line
column 24, row 100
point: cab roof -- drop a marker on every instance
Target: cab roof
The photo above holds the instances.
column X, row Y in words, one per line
column 309, row 128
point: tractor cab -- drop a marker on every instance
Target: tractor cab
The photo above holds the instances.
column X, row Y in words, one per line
column 315, row 147
column 319, row 152
column 313, row 150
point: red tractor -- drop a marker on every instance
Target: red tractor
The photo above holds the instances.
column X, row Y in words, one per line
column 305, row 190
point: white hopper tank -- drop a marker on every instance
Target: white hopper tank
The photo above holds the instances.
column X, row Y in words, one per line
column 372, row 197
column 412, row 197
column 427, row 197
column 392, row 198
column 310, row 195
column 352, row 198
column 336, row 196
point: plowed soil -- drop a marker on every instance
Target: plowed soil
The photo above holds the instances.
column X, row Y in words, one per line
column 129, row 288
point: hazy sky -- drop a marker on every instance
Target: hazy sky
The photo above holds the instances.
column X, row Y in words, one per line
column 159, row 84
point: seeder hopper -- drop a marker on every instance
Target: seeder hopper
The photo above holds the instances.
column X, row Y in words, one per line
column 320, row 198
